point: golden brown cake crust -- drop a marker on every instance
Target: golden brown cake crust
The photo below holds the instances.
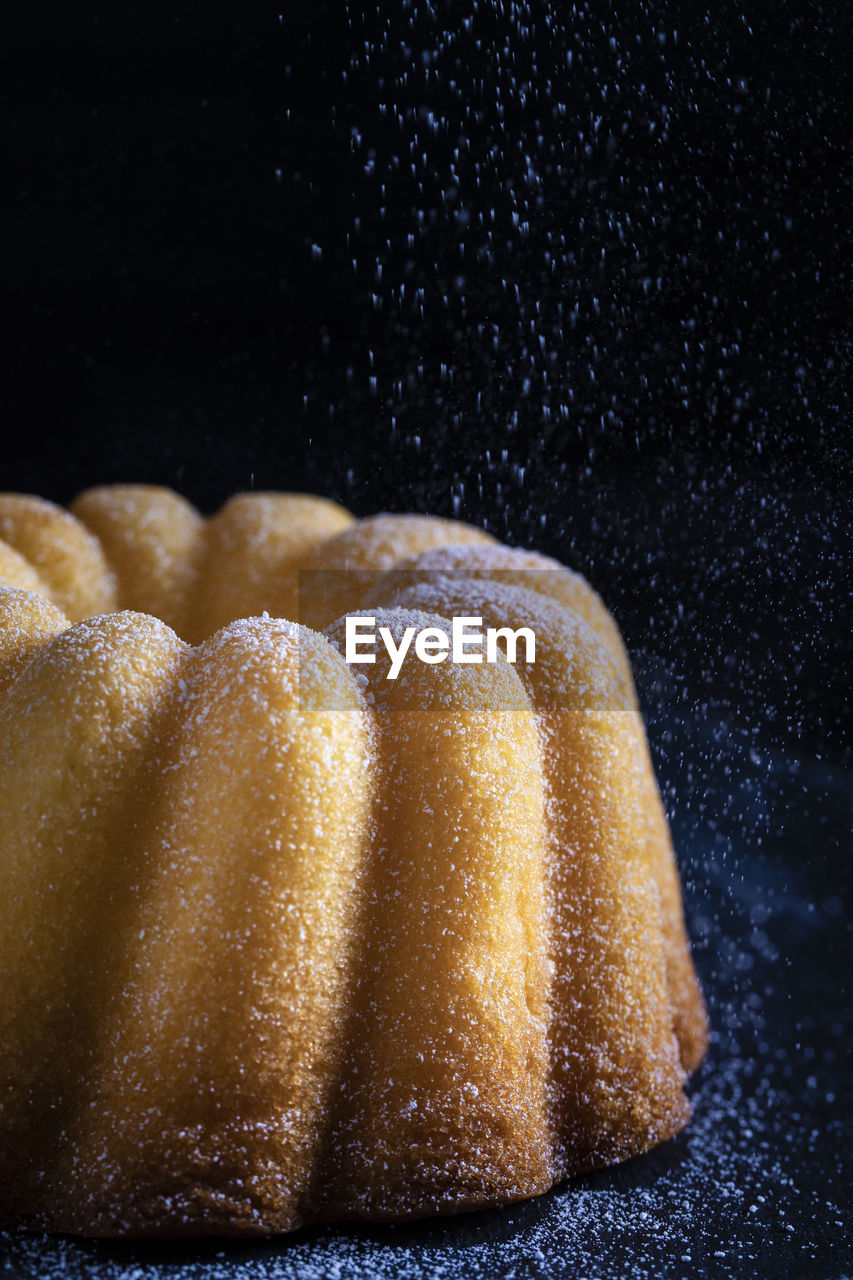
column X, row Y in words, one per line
column 283, row 941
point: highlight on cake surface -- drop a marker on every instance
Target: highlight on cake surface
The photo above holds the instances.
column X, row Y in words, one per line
column 283, row 941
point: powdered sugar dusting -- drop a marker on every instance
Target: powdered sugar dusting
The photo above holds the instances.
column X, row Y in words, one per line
column 713, row 1202
column 724, row 1171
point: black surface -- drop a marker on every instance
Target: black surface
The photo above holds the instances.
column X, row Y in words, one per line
column 663, row 402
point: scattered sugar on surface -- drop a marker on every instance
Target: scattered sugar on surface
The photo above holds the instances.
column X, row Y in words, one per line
column 759, row 1181
column 718, row 1171
column 756, row 1184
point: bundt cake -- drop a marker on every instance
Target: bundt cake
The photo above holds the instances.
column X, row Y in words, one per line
column 283, row 940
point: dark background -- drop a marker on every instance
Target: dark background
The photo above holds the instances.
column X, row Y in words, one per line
column 586, row 280
column 583, row 278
